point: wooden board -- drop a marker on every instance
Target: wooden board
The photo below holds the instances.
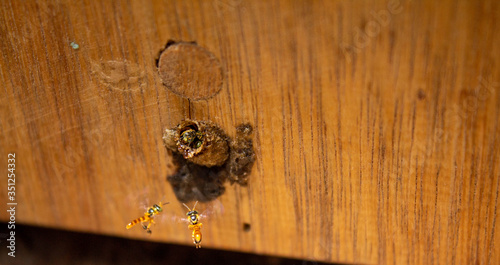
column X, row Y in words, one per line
column 376, row 122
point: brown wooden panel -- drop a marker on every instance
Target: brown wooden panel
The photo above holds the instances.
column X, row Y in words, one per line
column 376, row 122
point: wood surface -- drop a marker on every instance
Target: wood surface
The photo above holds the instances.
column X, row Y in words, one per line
column 376, row 123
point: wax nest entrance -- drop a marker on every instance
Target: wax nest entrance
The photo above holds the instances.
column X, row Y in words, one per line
column 206, row 157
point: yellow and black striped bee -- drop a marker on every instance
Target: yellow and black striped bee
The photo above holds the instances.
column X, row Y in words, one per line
column 195, row 225
column 148, row 217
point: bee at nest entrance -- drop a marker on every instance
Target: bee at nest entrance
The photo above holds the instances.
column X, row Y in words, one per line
column 206, row 158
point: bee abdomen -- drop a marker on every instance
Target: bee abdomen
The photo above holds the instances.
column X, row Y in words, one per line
column 136, row 221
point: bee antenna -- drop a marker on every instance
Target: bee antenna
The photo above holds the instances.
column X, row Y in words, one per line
column 195, row 205
column 186, row 206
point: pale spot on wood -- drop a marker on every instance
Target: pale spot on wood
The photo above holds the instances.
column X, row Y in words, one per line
column 119, row 75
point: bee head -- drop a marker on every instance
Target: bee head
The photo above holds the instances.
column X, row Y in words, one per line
column 158, row 208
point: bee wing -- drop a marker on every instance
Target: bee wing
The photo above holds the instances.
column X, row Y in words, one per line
column 208, row 210
column 167, row 217
column 140, row 196
column 212, row 209
column 160, row 218
column 179, row 219
column 145, row 205
column 139, row 200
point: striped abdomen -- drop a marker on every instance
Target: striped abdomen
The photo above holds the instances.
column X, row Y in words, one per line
column 136, row 221
column 197, row 236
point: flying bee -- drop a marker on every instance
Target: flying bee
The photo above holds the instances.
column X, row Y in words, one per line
column 192, row 138
column 195, row 225
column 148, row 217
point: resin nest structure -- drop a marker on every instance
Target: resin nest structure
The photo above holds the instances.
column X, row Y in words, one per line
column 200, row 142
column 206, row 157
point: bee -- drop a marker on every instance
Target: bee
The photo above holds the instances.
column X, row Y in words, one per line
column 195, row 225
column 192, row 138
column 148, row 217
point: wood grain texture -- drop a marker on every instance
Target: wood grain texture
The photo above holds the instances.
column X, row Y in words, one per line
column 376, row 122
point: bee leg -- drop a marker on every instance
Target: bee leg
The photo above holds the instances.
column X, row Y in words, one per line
column 151, row 221
column 144, row 226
